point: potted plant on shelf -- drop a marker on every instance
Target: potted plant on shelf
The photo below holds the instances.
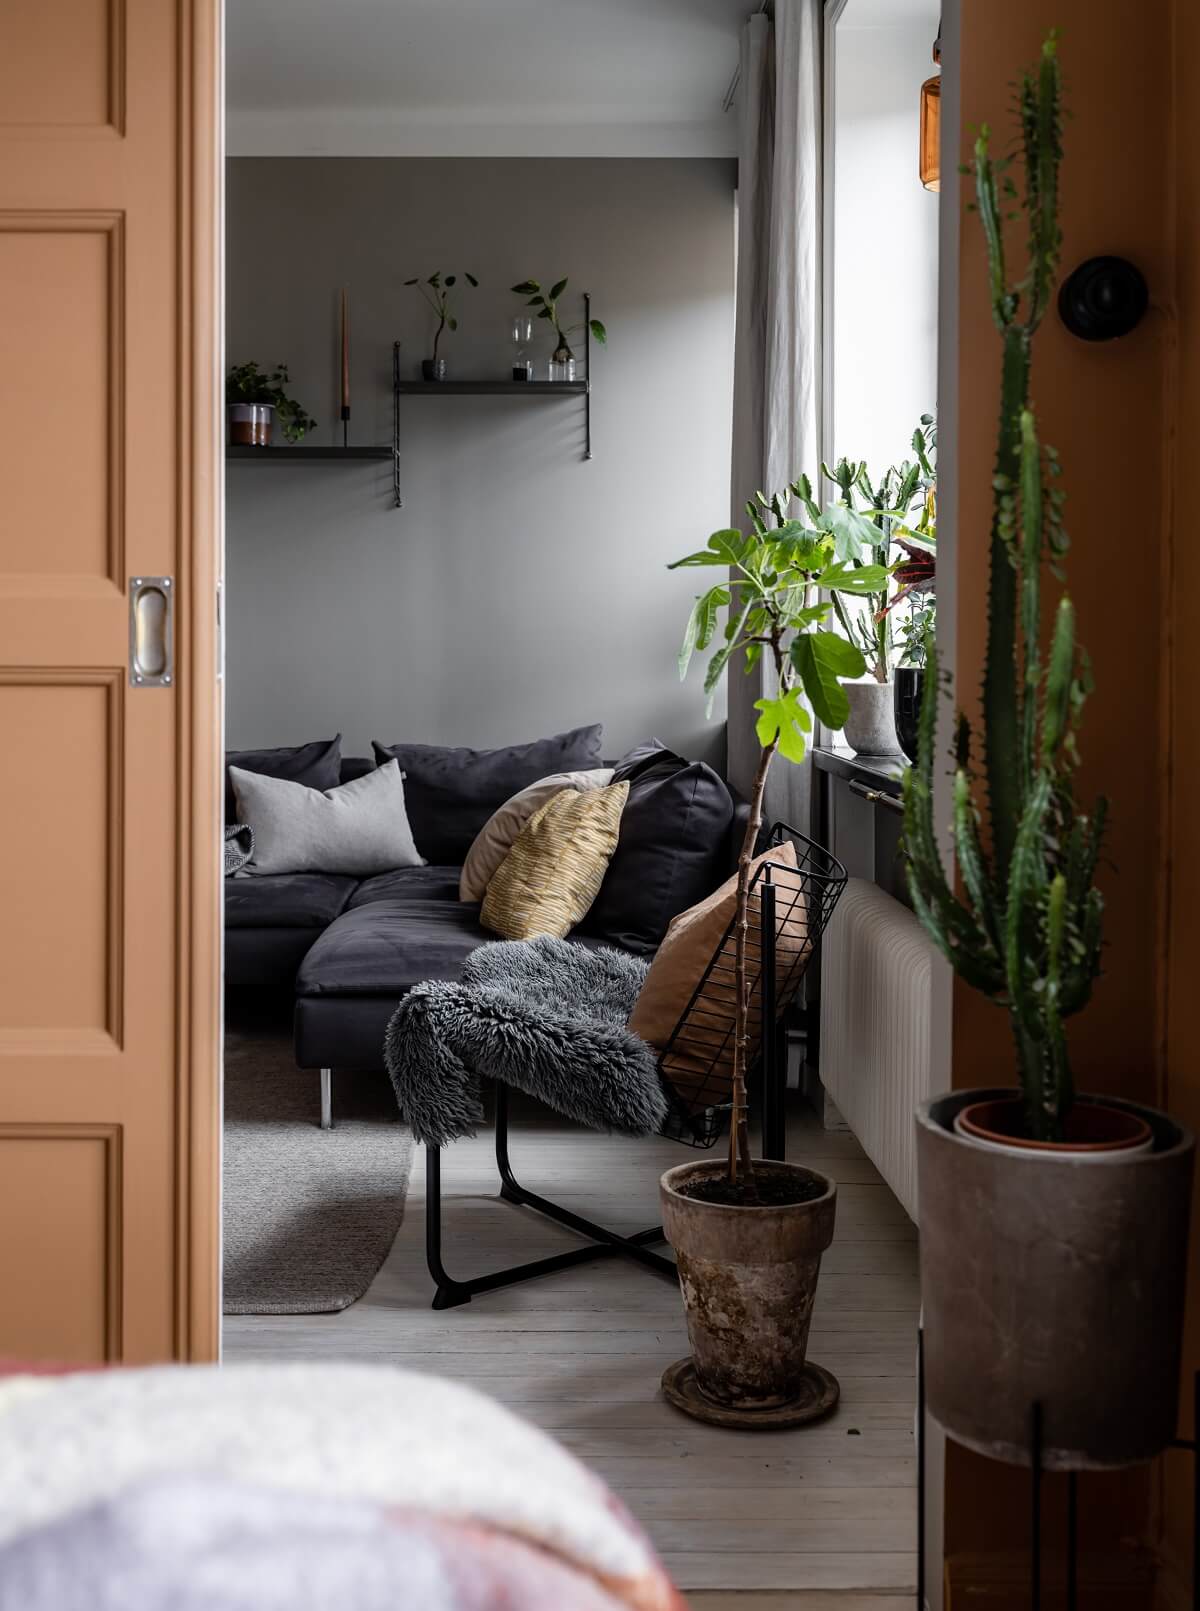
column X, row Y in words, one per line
column 870, row 727
column 1053, row 1224
column 562, row 360
column 254, row 400
column 749, row 1236
column 436, row 291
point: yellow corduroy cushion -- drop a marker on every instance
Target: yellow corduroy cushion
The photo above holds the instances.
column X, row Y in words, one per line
column 555, row 868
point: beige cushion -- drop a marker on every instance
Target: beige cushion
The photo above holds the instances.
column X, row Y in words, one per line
column 499, row 833
column 553, row 872
column 705, row 1042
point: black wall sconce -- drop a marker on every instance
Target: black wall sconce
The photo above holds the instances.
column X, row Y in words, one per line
column 1103, row 299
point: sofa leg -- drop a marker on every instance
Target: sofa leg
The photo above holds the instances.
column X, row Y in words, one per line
column 327, row 1099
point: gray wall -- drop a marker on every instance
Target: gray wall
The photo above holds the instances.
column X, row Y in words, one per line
column 520, row 590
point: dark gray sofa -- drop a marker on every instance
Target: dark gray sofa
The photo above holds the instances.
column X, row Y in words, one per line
column 344, row 950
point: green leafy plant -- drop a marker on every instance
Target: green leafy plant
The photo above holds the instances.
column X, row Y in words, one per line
column 547, row 303
column 888, row 505
column 1026, row 931
column 436, row 291
column 247, row 383
column 775, row 576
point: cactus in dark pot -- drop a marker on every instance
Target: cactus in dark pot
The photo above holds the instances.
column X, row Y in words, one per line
column 1026, row 930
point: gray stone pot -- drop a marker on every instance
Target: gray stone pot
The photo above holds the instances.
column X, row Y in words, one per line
column 1057, row 1278
column 748, row 1278
column 871, row 725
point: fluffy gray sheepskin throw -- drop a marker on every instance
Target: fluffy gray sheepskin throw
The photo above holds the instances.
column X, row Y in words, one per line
column 544, row 1016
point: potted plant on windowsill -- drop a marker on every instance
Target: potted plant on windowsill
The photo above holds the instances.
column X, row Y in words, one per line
column 255, row 400
column 882, row 525
column 749, row 1235
column 915, row 578
column 1053, row 1224
column 436, row 291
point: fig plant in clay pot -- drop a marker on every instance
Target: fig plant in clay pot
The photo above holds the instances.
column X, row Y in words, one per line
column 1053, row 1223
column 748, row 1235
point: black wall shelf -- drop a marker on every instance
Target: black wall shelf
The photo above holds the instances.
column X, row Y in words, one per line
column 302, row 455
column 306, row 454
column 492, row 388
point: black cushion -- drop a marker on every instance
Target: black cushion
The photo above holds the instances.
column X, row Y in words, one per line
column 671, row 851
column 286, row 900
column 643, row 756
column 262, row 963
column 385, row 948
column 409, row 883
column 316, row 765
column 451, row 793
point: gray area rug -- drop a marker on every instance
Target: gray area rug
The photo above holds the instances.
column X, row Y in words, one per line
column 309, row 1214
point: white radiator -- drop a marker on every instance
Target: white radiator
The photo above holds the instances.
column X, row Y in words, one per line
column 876, row 969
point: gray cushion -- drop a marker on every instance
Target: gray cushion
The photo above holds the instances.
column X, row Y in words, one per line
column 451, row 793
column 359, row 828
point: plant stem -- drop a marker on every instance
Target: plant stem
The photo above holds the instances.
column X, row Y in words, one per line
column 739, row 1137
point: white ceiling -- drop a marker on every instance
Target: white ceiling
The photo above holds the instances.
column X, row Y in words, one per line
column 481, row 77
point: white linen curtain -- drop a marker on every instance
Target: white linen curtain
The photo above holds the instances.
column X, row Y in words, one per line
column 777, row 342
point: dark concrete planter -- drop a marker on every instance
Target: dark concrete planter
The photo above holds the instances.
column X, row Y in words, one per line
column 749, row 1278
column 1056, row 1278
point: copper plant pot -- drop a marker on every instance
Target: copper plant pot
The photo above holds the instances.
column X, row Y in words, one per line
column 1091, row 1127
column 1056, row 1276
column 748, row 1278
column 251, row 424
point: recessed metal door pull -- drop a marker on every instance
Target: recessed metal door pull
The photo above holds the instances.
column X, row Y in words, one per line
column 151, row 631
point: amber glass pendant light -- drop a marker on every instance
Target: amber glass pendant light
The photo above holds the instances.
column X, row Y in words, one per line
column 931, row 124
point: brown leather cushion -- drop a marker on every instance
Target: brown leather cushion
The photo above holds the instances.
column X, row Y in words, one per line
column 703, row 1048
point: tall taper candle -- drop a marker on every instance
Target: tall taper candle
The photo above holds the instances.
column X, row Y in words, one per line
column 345, row 353
column 345, row 369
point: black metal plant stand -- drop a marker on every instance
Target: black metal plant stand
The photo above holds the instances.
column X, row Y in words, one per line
column 1036, row 1471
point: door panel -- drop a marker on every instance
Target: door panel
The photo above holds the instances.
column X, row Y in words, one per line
column 76, row 1234
column 65, row 276
column 109, row 818
column 61, row 65
column 61, row 986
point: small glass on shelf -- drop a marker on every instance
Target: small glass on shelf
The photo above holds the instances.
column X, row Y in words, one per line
column 521, row 334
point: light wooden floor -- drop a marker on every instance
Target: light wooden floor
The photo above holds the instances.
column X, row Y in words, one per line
column 829, row 1509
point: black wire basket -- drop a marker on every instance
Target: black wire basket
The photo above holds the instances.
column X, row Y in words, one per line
column 789, row 908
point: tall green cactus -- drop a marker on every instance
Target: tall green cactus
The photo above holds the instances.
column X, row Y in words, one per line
column 1026, row 928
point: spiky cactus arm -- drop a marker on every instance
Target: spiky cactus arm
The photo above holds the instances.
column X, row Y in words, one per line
column 1010, row 691
column 1026, row 930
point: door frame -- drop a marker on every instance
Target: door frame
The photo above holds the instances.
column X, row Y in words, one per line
column 200, row 685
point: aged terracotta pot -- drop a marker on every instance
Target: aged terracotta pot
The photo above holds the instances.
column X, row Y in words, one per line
column 1055, row 1277
column 749, row 1278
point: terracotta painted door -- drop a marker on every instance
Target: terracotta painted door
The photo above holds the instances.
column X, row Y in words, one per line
column 108, row 790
